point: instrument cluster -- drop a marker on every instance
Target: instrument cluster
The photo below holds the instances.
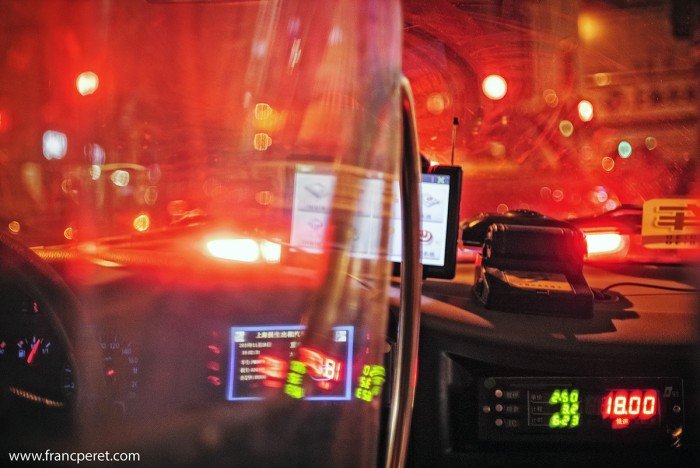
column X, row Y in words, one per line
column 33, row 360
column 35, row 364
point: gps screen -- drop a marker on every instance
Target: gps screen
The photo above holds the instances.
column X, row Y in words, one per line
column 313, row 195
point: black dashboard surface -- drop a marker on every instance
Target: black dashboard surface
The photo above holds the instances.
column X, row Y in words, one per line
column 636, row 331
column 633, row 315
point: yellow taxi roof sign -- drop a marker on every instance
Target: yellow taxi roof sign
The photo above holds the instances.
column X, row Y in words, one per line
column 671, row 223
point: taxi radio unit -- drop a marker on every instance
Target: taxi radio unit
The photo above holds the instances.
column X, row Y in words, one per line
column 533, row 269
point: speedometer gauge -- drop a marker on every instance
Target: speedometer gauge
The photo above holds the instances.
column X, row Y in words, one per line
column 67, row 380
column 121, row 369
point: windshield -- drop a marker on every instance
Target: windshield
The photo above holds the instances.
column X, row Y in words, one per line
column 566, row 108
column 169, row 148
column 215, row 184
column 124, row 118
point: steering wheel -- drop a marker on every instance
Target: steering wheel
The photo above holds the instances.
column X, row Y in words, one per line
column 59, row 313
column 406, row 358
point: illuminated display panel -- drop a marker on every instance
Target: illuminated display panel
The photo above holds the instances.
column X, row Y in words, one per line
column 556, row 408
column 313, row 195
column 260, row 356
column 565, row 405
column 610, row 410
column 630, row 407
column 435, row 200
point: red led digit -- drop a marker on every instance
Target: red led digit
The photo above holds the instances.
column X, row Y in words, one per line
column 273, row 367
column 323, row 369
column 620, row 405
column 635, row 403
column 608, row 407
column 649, row 404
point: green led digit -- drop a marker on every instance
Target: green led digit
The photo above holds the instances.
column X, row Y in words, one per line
column 365, row 382
column 297, row 367
column 575, row 419
column 573, row 396
column 554, row 421
column 294, row 391
column 565, row 420
column 370, row 383
column 564, row 396
column 574, row 408
column 555, row 398
column 565, row 409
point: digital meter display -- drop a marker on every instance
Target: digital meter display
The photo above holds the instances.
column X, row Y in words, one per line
column 561, row 408
column 565, row 404
column 580, row 409
column 260, row 358
column 630, row 407
column 555, row 408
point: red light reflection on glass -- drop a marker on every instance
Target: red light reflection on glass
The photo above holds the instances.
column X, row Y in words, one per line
column 87, row 83
column 271, row 251
column 4, row 121
column 494, row 87
column 604, row 242
column 585, row 110
column 242, row 250
column 322, row 368
column 213, row 366
column 142, row 222
column 608, row 164
column 54, row 144
column 274, row 369
column 625, row 406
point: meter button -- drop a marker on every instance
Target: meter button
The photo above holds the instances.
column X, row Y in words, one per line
column 499, row 408
column 498, row 393
column 498, row 422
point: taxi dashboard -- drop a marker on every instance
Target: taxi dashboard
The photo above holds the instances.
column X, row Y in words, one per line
column 498, row 388
column 482, row 373
column 147, row 356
